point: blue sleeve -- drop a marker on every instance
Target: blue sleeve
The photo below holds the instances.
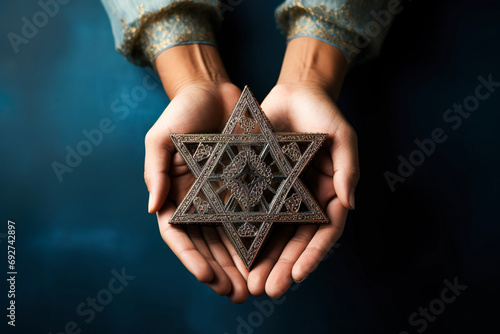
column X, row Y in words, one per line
column 143, row 29
column 357, row 27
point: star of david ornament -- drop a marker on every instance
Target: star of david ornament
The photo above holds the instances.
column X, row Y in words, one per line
column 247, row 178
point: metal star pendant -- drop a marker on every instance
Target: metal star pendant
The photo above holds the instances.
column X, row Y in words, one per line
column 247, row 178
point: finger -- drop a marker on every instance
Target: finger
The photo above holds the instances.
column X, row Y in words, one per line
column 322, row 242
column 159, row 150
column 323, row 162
column 220, row 282
column 182, row 179
column 232, row 252
column 182, row 246
column 238, row 292
column 270, row 255
column 280, row 277
column 321, row 186
column 344, row 153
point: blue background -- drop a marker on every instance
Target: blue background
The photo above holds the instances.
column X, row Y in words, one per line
column 398, row 247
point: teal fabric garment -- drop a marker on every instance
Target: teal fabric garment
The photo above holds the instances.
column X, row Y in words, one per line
column 143, row 29
column 357, row 27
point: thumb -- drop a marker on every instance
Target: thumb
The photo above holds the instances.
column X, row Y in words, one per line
column 159, row 150
column 345, row 159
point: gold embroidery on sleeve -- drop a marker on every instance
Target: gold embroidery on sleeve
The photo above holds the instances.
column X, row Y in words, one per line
column 181, row 22
column 338, row 26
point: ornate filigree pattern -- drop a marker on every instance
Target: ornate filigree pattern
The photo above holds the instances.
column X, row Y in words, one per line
column 292, row 151
column 247, row 164
column 247, row 230
column 202, row 152
column 201, row 206
column 293, row 203
column 247, row 183
column 247, row 124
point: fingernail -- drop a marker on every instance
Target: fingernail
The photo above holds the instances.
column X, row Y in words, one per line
column 150, row 201
column 302, row 280
column 351, row 199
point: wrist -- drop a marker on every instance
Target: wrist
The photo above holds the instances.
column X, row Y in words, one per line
column 313, row 62
column 190, row 64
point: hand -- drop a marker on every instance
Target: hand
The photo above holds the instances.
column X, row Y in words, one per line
column 202, row 99
column 302, row 101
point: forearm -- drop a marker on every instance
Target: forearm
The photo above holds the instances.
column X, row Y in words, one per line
column 311, row 61
column 189, row 64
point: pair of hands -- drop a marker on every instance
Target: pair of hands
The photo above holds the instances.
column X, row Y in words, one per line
column 202, row 99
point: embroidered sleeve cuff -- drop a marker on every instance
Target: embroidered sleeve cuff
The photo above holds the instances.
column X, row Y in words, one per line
column 320, row 23
column 154, row 32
